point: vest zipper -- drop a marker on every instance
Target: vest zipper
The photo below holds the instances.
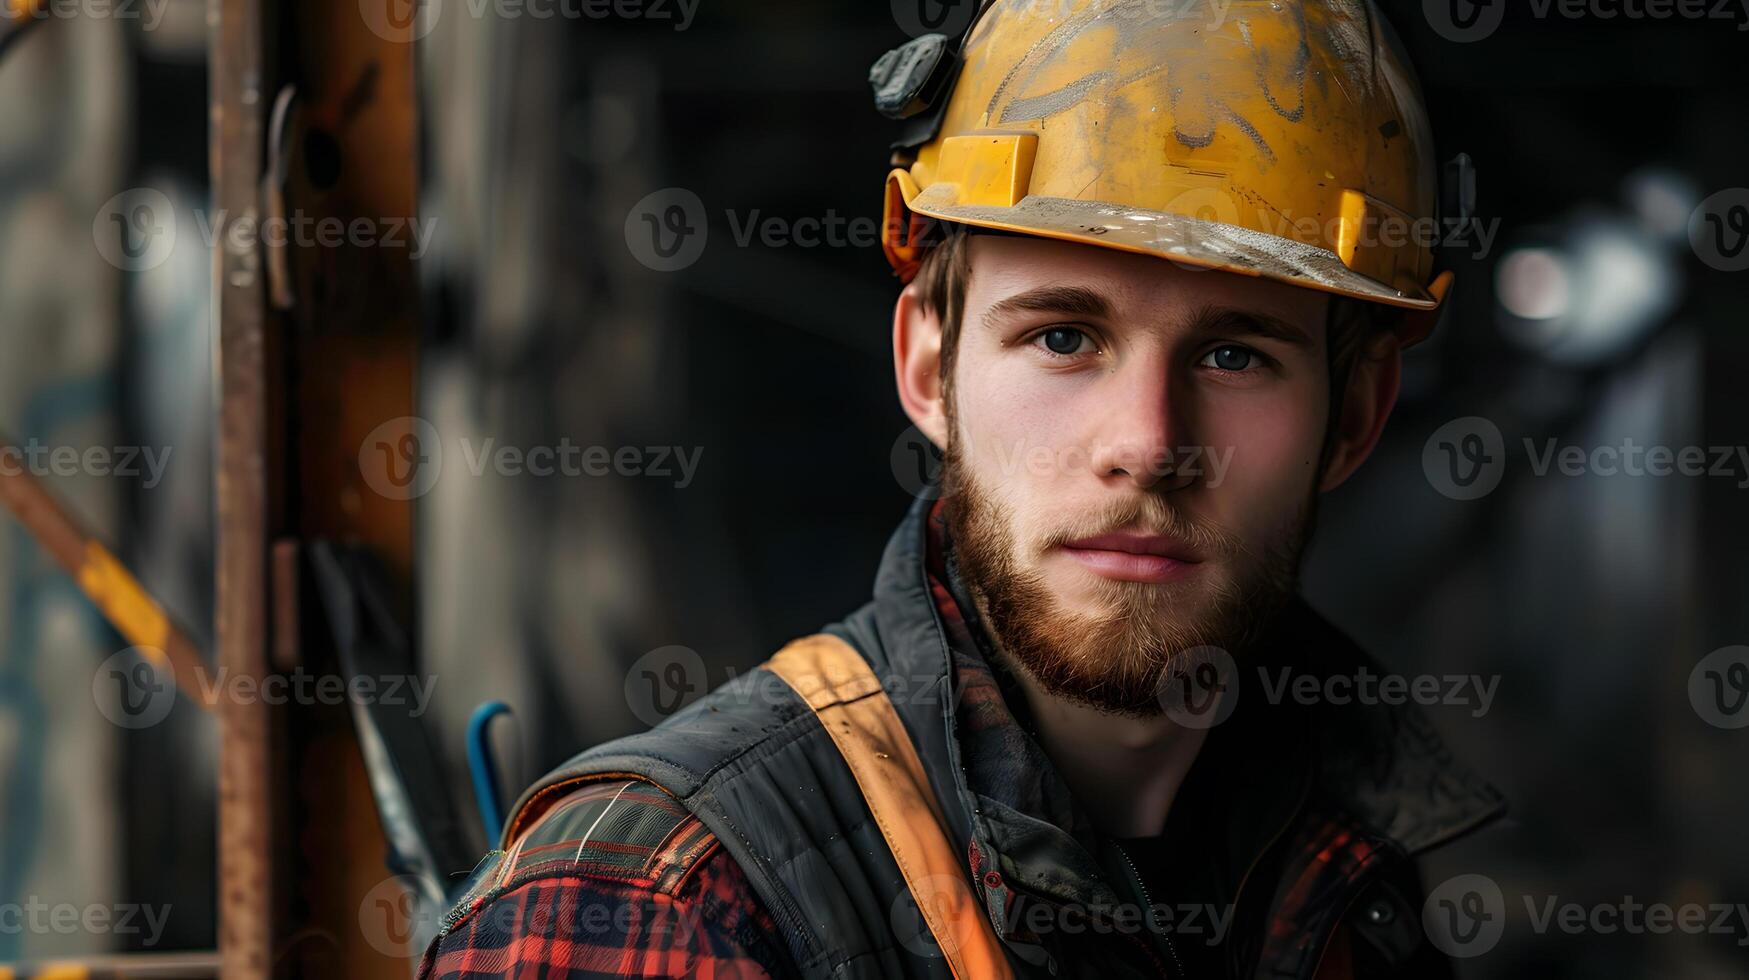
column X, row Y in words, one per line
column 1148, row 911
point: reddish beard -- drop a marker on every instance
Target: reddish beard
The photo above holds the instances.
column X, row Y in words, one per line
column 1117, row 661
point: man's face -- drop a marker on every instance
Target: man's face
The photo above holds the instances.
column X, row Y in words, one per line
column 1133, row 453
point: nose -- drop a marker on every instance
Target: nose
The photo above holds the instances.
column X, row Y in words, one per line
column 1140, row 427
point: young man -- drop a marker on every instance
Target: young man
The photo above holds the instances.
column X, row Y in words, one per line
column 1162, row 259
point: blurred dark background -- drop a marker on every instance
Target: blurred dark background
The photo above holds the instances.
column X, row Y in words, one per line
column 1592, row 319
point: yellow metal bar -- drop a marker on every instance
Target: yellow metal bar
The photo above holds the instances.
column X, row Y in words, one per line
column 127, row 966
column 110, row 586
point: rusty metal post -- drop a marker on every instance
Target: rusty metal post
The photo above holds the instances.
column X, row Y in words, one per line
column 316, row 348
column 237, row 55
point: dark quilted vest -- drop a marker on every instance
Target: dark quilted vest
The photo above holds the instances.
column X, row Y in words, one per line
column 753, row 763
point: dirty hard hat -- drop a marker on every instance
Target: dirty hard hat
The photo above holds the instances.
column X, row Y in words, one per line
column 1278, row 138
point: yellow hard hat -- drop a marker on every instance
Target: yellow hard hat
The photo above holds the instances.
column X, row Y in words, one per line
column 1277, row 138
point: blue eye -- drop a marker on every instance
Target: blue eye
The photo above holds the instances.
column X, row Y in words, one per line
column 1063, row 341
column 1230, row 358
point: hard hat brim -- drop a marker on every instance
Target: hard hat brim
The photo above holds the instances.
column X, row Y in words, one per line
column 1194, row 242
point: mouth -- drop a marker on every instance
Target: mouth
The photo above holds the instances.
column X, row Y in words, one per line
column 1133, row 556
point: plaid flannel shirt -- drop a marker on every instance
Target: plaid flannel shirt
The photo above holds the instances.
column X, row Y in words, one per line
column 617, row 880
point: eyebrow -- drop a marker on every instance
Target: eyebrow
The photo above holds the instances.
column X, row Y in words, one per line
column 1081, row 301
column 1240, row 323
column 1068, row 300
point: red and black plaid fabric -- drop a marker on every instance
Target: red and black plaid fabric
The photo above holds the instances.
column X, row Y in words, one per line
column 1315, row 885
column 616, row 880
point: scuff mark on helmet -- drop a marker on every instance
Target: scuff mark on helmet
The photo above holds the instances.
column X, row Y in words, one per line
column 1051, row 103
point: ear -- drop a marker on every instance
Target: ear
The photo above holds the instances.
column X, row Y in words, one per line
column 1372, row 394
column 917, row 364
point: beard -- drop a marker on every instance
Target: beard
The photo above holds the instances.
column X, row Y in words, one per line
column 1119, row 660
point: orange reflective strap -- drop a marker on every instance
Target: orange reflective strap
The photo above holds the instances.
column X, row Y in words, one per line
column 846, row 696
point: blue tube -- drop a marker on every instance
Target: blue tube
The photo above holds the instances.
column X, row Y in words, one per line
column 484, row 768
